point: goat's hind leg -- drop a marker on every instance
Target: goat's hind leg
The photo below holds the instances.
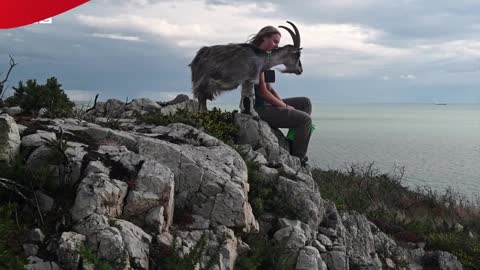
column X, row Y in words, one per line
column 202, row 103
column 248, row 92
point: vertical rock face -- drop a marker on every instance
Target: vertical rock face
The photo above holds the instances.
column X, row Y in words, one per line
column 210, row 177
column 9, row 139
column 359, row 241
column 262, row 138
column 99, row 194
column 136, row 242
column 154, row 187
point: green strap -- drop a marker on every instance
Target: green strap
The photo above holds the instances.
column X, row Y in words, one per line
column 291, row 133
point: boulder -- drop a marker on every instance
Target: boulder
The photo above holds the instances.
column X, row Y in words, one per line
column 68, row 250
column 210, row 177
column 99, row 194
column 9, row 139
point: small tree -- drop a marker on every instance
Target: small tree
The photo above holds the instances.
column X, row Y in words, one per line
column 32, row 97
column 2, row 83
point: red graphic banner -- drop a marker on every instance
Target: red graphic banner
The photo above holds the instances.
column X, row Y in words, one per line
column 17, row 13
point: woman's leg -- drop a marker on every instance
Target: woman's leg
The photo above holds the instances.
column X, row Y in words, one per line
column 300, row 103
column 301, row 121
column 303, row 104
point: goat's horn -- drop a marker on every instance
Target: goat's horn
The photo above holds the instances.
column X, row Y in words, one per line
column 295, row 36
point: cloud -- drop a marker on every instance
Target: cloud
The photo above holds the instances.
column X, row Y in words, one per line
column 348, row 45
column 116, row 36
column 81, row 95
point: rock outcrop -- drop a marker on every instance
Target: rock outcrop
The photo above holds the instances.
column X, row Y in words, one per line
column 141, row 192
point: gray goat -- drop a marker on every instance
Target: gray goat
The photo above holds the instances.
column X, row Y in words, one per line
column 224, row 67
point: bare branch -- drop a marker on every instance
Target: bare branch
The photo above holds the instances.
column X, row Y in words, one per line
column 13, row 186
column 12, row 64
column 94, row 104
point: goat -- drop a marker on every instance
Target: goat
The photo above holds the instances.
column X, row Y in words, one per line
column 221, row 68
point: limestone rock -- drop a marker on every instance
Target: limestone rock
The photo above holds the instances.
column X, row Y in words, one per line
column 36, row 263
column 37, row 139
column 142, row 104
column 154, row 188
column 68, row 250
column 14, row 110
column 309, row 259
column 9, row 139
column 36, row 236
column 136, row 242
column 188, row 105
column 30, row 249
column 105, row 240
column 97, row 193
column 442, row 260
column 210, row 177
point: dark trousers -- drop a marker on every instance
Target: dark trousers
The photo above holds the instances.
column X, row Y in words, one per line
column 298, row 119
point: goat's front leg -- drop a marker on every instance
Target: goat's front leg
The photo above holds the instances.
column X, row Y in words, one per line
column 248, row 92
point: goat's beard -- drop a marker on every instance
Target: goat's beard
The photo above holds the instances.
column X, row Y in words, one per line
column 286, row 70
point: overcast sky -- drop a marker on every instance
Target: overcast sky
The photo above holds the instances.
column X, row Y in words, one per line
column 354, row 51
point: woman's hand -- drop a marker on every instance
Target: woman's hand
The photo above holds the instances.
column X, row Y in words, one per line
column 290, row 107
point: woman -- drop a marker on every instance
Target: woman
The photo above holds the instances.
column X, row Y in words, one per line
column 293, row 113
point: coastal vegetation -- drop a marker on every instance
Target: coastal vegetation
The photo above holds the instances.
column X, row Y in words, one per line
column 446, row 220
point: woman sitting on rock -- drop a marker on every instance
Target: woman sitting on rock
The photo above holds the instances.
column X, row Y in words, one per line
column 293, row 113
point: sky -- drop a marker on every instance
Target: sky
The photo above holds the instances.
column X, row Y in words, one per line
column 369, row 51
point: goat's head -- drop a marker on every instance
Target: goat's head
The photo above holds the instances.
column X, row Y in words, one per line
column 292, row 59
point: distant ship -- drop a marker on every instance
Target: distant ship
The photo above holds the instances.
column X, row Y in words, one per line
column 438, row 103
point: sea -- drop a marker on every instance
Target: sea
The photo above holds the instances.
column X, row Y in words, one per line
column 436, row 145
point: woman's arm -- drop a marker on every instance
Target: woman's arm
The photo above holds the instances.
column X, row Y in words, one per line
column 273, row 91
column 268, row 95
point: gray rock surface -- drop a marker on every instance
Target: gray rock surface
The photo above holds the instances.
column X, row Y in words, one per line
column 37, row 139
column 136, row 242
column 99, row 194
column 68, row 250
column 14, row 110
column 210, row 177
column 142, row 104
column 9, row 139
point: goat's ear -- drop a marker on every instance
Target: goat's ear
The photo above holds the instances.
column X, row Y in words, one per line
column 297, row 50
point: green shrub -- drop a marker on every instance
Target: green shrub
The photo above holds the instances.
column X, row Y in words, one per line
column 89, row 255
column 264, row 196
column 260, row 255
column 214, row 122
column 466, row 249
column 9, row 246
column 32, row 97
column 189, row 261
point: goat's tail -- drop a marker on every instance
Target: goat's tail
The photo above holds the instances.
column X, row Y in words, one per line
column 197, row 66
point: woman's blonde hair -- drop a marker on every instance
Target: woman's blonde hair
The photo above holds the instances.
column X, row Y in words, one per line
column 266, row 31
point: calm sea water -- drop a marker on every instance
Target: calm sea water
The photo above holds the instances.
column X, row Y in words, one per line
column 438, row 145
